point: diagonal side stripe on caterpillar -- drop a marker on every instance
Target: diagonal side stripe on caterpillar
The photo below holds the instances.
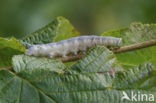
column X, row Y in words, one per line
column 73, row 45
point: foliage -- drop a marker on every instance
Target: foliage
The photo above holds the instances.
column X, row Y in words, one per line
column 136, row 33
column 22, row 62
column 57, row 30
column 77, row 83
column 100, row 77
column 8, row 48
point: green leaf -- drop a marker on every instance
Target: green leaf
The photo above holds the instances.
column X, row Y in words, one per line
column 8, row 48
column 81, row 83
column 14, row 89
column 116, row 33
column 23, row 62
column 64, row 30
column 99, row 58
column 136, row 33
column 57, row 30
column 149, row 82
column 133, row 78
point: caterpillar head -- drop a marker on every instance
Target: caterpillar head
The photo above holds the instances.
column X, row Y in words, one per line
column 33, row 51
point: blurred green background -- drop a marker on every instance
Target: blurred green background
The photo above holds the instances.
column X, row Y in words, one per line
column 21, row 17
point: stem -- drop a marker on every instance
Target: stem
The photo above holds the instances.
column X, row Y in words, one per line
column 116, row 51
column 6, row 68
column 135, row 46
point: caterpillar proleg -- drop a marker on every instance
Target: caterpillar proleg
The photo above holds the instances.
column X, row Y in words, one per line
column 73, row 45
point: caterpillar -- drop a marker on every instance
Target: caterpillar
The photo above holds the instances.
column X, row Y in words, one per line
column 73, row 45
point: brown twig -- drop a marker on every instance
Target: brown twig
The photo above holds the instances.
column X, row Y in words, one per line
column 6, row 68
column 135, row 46
column 116, row 51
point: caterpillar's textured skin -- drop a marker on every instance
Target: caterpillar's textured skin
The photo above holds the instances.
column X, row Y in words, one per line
column 73, row 45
